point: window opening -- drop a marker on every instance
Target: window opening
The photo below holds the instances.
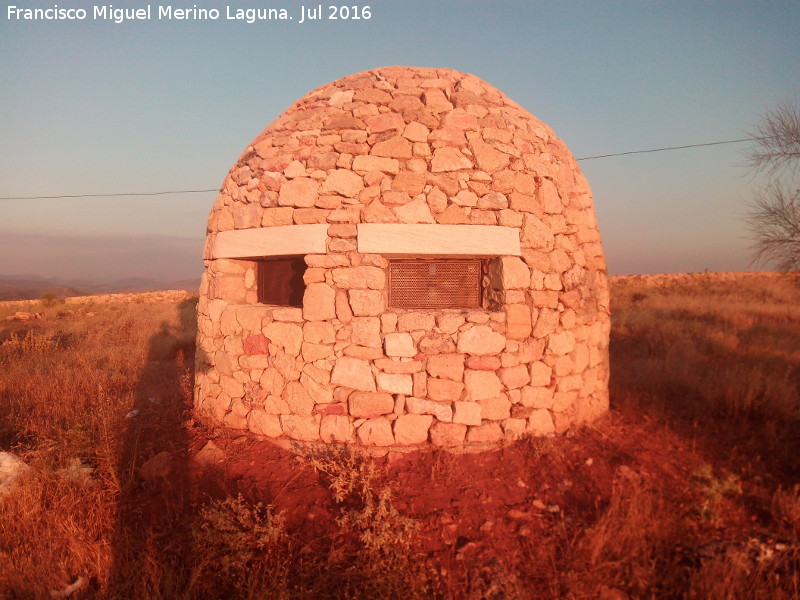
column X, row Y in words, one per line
column 280, row 281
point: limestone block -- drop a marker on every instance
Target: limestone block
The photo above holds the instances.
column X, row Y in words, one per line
column 447, row 366
column 449, row 322
column 394, row 147
column 301, row 428
column 314, row 352
column 230, row 387
column 395, row 383
column 250, row 317
column 518, row 321
column 364, row 163
column 319, row 332
column 416, row 321
column 485, row 434
column 548, row 197
column 335, row 428
column 546, row 323
column 366, row 302
column 288, row 314
column 394, row 365
column 514, row 377
column 300, row 192
column 537, row 397
column 416, row 211
column 467, row 413
column 449, row 159
column 515, row 428
column 444, row 389
column 237, row 417
column 286, row 335
column 385, row 122
column 443, row 411
column 362, row 277
column 342, row 305
column 298, row 399
column 412, row 429
column 256, row 344
column 353, row 373
column 495, row 409
column 416, row 132
column 511, row 274
column 319, row 302
column 399, row 345
column 362, row 352
column 564, row 365
column 561, row 343
column 366, row 331
column 370, row 404
column 540, row 374
column 448, row 435
column 343, row 182
column 388, row 322
column 272, row 381
column 246, row 216
column 536, row 234
column 482, row 384
column 541, row 422
column 438, row 240
column 263, row 423
column 376, row 432
column 483, row 363
column 481, row 339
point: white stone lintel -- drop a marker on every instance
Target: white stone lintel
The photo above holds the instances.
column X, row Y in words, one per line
column 438, row 240
column 284, row 240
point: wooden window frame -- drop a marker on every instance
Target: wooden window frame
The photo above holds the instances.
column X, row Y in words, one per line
column 471, row 299
column 286, row 273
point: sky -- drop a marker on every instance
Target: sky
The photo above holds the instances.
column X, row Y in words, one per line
column 98, row 107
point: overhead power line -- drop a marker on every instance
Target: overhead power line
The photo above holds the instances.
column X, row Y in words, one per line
column 668, row 148
column 167, row 192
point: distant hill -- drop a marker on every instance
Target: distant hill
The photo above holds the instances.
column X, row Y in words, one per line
column 31, row 287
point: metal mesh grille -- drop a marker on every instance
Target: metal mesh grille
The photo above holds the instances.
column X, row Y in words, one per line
column 435, row 284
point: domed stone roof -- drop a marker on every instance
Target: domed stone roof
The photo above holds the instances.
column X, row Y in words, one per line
column 410, row 145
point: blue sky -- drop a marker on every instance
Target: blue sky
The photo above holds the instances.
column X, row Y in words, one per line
column 98, row 107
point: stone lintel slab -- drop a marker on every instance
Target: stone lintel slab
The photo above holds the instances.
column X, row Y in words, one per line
column 438, row 240
column 283, row 240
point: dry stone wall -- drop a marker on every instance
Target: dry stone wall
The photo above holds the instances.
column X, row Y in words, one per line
column 407, row 146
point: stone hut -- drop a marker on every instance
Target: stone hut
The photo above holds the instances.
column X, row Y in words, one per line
column 405, row 257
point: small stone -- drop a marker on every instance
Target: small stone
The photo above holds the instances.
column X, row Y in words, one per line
column 376, row 432
column 399, row 345
column 481, row 339
column 395, row 383
column 353, row 373
column 370, row 404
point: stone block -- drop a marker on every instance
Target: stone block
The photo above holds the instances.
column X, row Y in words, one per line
column 467, row 413
column 335, row 428
column 446, row 366
column 298, row 399
column 399, row 345
column 319, row 332
column 285, row 335
column 444, row 389
column 301, row 428
column 395, row 383
column 416, row 321
column 366, row 331
column 489, row 433
column 541, row 422
column 495, row 409
column 353, row 373
column 366, row 302
column 362, row 277
column 343, row 182
column 448, row 435
column 482, row 384
column 537, row 397
column 300, row 192
column 376, row 432
column 561, row 343
column 263, row 423
column 319, row 302
column 410, row 430
column 481, row 339
column 443, row 411
column 518, row 321
column 370, row 404
column 514, row 377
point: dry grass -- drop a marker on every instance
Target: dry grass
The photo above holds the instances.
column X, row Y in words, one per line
column 691, row 493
